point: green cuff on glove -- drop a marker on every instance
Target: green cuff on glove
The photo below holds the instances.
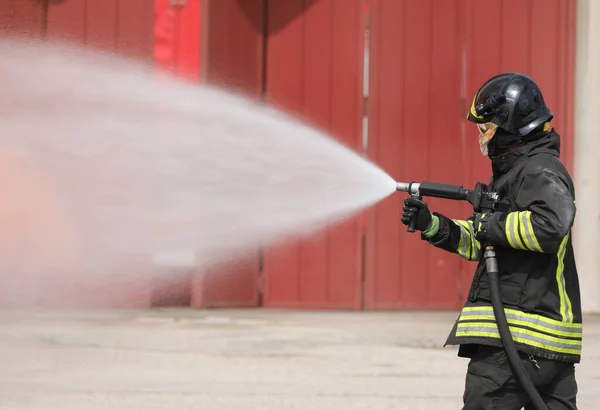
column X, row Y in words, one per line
column 433, row 228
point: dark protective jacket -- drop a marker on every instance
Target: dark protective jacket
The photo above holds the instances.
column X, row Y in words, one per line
column 531, row 231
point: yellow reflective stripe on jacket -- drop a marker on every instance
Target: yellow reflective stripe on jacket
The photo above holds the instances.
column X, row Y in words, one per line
column 523, row 320
column 527, row 232
column 524, row 336
column 519, row 232
column 468, row 247
column 530, row 329
column 543, row 321
column 566, row 309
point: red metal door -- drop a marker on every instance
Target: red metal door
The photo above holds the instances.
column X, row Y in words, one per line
column 178, row 38
column 428, row 58
column 414, row 132
column 22, row 17
column 235, row 41
column 314, row 69
column 535, row 37
column 232, row 57
column 124, row 26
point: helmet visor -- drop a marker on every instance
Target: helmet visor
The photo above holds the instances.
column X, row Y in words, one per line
column 486, row 133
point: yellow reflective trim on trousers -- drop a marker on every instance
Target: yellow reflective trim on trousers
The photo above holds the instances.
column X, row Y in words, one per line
column 523, row 323
column 525, row 336
column 566, row 310
column 531, row 316
column 512, row 231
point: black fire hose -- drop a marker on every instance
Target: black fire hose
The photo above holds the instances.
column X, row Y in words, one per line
column 482, row 201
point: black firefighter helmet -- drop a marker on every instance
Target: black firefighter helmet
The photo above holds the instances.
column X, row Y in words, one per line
column 512, row 102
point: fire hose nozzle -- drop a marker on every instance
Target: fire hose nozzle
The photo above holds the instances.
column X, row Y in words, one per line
column 402, row 186
column 411, row 187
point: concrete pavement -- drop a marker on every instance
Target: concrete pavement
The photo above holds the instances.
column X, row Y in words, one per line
column 240, row 359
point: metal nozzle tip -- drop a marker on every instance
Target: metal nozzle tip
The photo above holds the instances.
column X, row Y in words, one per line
column 402, row 186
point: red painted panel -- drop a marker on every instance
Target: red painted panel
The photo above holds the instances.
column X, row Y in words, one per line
column 552, row 63
column 234, row 39
column 235, row 45
column 230, row 285
column 445, row 289
column 386, row 112
column 177, row 37
column 125, row 26
column 21, row 18
column 281, row 271
column 165, row 36
column 414, row 128
column 67, row 20
column 136, row 29
column 188, row 60
column 314, row 70
column 536, row 38
column 101, row 24
column 426, row 64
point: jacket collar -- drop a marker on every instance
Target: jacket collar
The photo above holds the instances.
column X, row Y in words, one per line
column 544, row 142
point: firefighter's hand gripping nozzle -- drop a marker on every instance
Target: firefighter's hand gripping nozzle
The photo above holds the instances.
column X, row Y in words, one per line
column 483, row 201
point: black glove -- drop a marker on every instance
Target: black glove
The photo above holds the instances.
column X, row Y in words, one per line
column 417, row 210
column 480, row 226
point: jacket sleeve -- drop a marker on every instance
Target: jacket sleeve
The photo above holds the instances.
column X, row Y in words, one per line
column 456, row 236
column 545, row 217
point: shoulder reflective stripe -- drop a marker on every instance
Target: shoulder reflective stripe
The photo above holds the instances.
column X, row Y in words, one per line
column 512, row 231
column 516, row 320
column 530, row 317
column 566, row 310
column 524, row 336
column 528, row 233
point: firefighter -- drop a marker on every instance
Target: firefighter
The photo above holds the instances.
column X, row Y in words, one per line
column 531, row 232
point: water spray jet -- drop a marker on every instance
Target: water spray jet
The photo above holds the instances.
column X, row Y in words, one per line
column 142, row 165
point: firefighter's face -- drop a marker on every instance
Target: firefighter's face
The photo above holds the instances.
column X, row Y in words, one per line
column 487, row 131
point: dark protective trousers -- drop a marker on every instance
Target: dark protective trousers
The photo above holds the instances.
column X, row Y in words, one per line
column 491, row 385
